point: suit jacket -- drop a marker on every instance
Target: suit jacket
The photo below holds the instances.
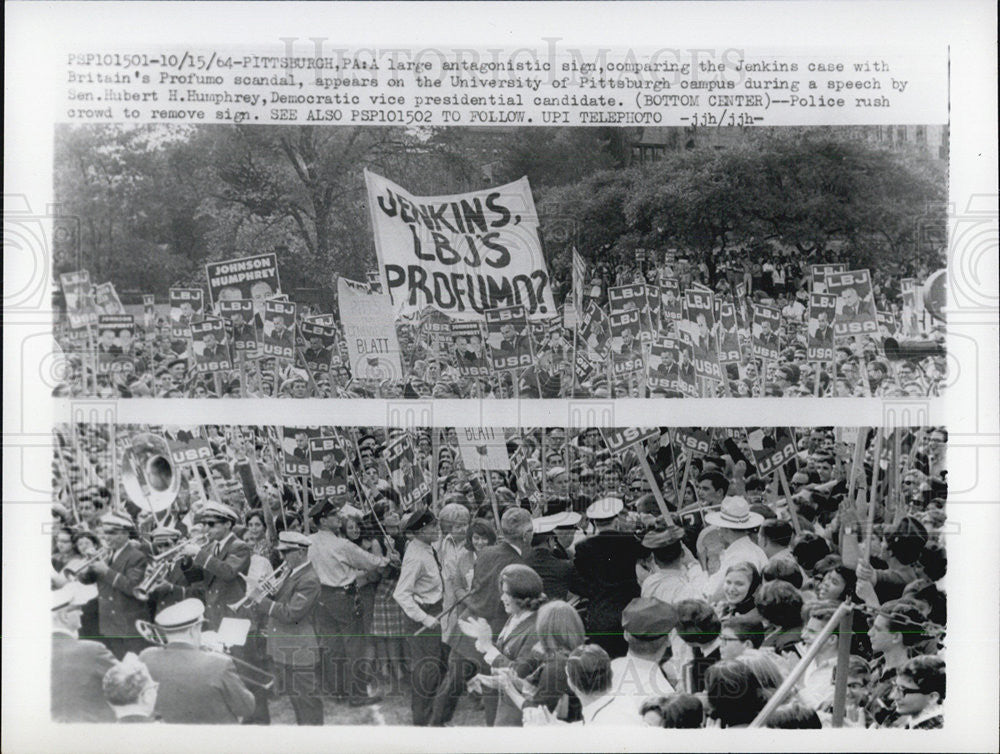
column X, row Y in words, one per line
column 605, row 575
column 556, row 572
column 291, row 635
column 78, row 668
column 117, row 607
column 222, row 583
column 484, row 596
column 517, row 652
column 197, row 686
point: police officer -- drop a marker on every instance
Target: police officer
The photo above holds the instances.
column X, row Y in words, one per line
column 605, row 574
column 195, row 686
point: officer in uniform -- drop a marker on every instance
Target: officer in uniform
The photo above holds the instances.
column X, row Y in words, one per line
column 78, row 665
column 195, row 686
column 548, row 559
column 117, row 607
column 605, row 574
column 224, row 561
column 291, row 635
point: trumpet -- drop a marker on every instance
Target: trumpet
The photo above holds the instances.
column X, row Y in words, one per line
column 249, row 673
column 75, row 568
column 161, row 565
column 269, row 584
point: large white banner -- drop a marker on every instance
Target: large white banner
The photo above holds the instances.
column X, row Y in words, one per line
column 460, row 254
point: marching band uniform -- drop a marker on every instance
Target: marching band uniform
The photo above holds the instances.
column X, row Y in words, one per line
column 117, row 607
column 291, row 637
column 77, row 670
column 222, row 562
column 195, row 686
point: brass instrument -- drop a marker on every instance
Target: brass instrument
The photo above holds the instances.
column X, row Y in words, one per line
column 149, row 476
column 250, row 674
column 161, row 565
column 75, row 568
column 270, row 584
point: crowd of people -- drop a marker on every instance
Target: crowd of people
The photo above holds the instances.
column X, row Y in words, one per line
column 649, row 585
column 569, row 356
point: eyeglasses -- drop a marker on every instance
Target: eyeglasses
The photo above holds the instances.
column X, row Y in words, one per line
column 905, row 690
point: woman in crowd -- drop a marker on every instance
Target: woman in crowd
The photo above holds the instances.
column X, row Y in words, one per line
column 511, row 651
column 740, row 585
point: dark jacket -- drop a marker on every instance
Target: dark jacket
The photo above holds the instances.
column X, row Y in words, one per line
column 516, row 652
column 222, row 582
column 77, row 670
column 556, row 572
column 605, row 575
column 484, row 597
column 291, row 632
column 197, row 686
column 117, row 607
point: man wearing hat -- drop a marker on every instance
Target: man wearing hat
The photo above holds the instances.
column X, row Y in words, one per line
column 224, row 560
column 673, row 574
column 177, row 583
column 338, row 562
column 117, row 607
column 78, row 665
column 605, row 574
column 195, row 686
column 567, row 532
column 420, row 592
column 638, row 675
column 548, row 559
column 737, row 526
column 291, row 635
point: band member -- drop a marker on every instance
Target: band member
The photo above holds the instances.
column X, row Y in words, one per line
column 181, row 581
column 117, row 607
column 291, row 636
column 78, row 665
column 195, row 686
column 338, row 562
column 224, row 560
column 420, row 592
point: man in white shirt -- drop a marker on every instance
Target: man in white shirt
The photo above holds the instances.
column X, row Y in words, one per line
column 816, row 689
column 419, row 592
column 673, row 574
column 738, row 525
column 638, row 675
column 588, row 673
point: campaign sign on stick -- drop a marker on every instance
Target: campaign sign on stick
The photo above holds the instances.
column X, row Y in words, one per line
column 764, row 330
column 239, row 314
column 469, row 349
column 771, row 451
column 406, row 475
column 855, row 302
column 483, row 448
column 186, row 307
column 328, row 464
column 254, row 278
column 320, row 341
column 369, row 332
column 822, row 311
column 78, row 294
column 621, row 439
column 211, row 346
column 508, row 337
column 296, row 459
column 278, row 331
column 106, row 300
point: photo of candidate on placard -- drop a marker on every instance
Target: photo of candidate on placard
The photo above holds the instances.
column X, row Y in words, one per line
column 469, row 349
column 210, row 344
column 508, row 338
column 626, row 346
column 328, row 463
column 405, row 474
column 106, row 300
column 663, row 366
column 239, row 314
column 186, row 307
column 278, row 331
column 78, row 294
column 855, row 304
column 730, row 351
column 254, row 278
column 764, row 330
column 822, row 310
column 319, row 343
